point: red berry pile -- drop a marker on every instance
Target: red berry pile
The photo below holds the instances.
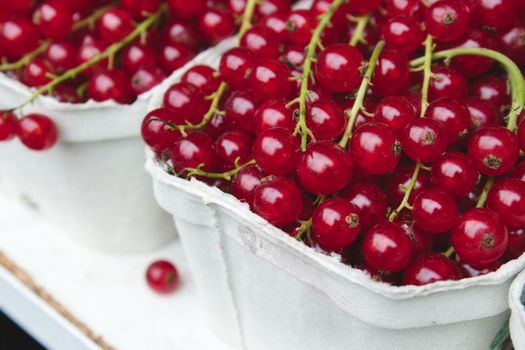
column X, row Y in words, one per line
column 385, row 131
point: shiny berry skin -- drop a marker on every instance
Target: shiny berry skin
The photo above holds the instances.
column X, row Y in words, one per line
column 270, row 7
column 162, row 277
column 196, row 150
column 395, row 112
column 494, row 149
column 475, row 271
column 204, row 78
column 279, row 201
column 37, row 73
column 395, row 188
column 359, row 8
column 375, row 148
column 325, row 168
column 453, row 115
column 86, row 52
column 111, row 85
column 245, row 182
column 431, row 268
column 18, row 37
column 473, row 65
column 447, row 19
column 240, row 109
column 479, row 237
column 181, row 32
column 67, row 93
column 335, row 224
column 61, row 55
column 447, row 82
column 187, row 10
column 114, row 25
column 215, row 25
column 269, row 80
column 325, row 119
column 276, row 151
column 53, row 19
column 422, row 241
column 370, row 200
column 172, row 56
column 8, row 125
column 146, row 78
column 37, row 132
column 234, row 147
column 482, row 113
column 273, row 114
column 497, row 14
column 261, row 41
column 454, row 173
column 156, row 131
column 391, row 74
column 300, row 25
column 140, row 7
column 387, row 247
column 521, row 135
column 493, row 89
column 412, row 8
column 403, row 34
column 187, row 104
column 435, row 211
column 236, row 65
column 424, row 140
column 338, row 68
column 512, row 43
column 277, row 24
column 136, row 56
column 518, row 172
column 294, row 55
column 516, row 246
column 507, row 199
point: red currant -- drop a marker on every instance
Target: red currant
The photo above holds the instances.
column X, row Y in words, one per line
column 272, row 114
column 115, row 24
column 391, row 74
column 234, row 147
column 111, row 85
column 507, row 199
column 245, row 182
column 325, row 119
column 455, row 173
column 162, row 277
column 453, row 115
column 370, row 200
column 187, row 10
column 269, row 80
column 338, row 68
column 403, row 34
column 447, row 82
column 53, row 19
column 261, row 41
column 431, row 268
column 156, row 131
column 240, row 109
column 216, row 24
column 204, row 78
column 424, row 140
column 194, row 151
column 276, row 151
column 8, row 125
column 447, row 19
column 236, row 65
column 37, row 132
column 435, row 211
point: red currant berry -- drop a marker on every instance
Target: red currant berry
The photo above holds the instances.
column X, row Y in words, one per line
column 194, row 151
column 338, row 68
column 273, row 114
column 270, row 7
column 412, row 8
column 482, row 113
column 512, row 43
column 422, row 241
column 140, row 8
column 187, row 10
column 403, row 34
column 61, row 55
column 187, row 104
column 276, row 151
column 325, row 119
column 400, row 180
column 516, row 246
column 493, row 89
column 325, row 168
column 431, row 268
column 453, row 115
column 375, row 148
column 245, row 182
column 507, row 199
column 424, row 140
column 111, row 85
column 395, row 112
column 162, row 277
column 435, row 211
column 18, row 37
column 447, row 82
column 370, row 200
column 53, row 19
column 136, row 56
column 87, row 52
column 300, row 25
column 240, row 109
column 8, row 125
column 391, row 74
column 518, row 172
column 277, row 24
column 475, row 271
column 335, row 224
column 279, row 201
column 37, row 132
column 269, row 80
column 234, row 147
column 235, row 67
column 473, row 65
column 261, row 41
column 359, row 8
column 498, row 14
column 479, row 237
column 494, row 149
column 216, row 24
column 387, row 247
column 455, row 173
column 146, row 78
column 174, row 55
column 37, row 73
column 156, row 131
column 114, row 25
column 180, row 32
column 294, row 56
column 204, row 78
column 447, row 19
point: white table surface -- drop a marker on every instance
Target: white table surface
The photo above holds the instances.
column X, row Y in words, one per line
column 107, row 293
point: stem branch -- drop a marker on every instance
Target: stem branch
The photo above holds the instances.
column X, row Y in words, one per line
column 404, row 203
column 361, row 23
column 483, row 196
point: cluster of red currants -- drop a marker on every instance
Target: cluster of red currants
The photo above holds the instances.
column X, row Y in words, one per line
column 400, row 162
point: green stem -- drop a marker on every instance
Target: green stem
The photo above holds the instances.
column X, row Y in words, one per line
column 226, row 175
column 109, row 52
column 449, row 252
column 361, row 93
column 305, row 227
column 92, row 18
column 361, row 23
column 404, row 203
column 484, row 193
column 216, row 99
column 27, row 58
column 247, row 17
column 427, row 74
column 517, row 83
column 301, row 127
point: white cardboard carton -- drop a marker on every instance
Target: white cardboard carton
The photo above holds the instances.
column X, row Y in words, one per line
column 517, row 307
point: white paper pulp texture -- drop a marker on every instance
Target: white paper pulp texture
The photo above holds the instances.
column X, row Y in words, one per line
column 517, row 307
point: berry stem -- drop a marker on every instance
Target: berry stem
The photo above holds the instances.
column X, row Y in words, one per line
column 216, row 98
column 404, row 203
column 305, row 227
column 449, row 252
column 427, row 74
column 483, row 196
column 361, row 93
column 361, row 23
column 301, row 127
column 247, row 17
column 225, row 175
column 109, row 52
column 24, row 61
column 517, row 83
column 92, row 18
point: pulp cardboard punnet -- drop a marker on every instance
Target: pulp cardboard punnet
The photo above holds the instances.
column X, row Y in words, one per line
column 92, row 184
column 264, row 290
column 517, row 307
